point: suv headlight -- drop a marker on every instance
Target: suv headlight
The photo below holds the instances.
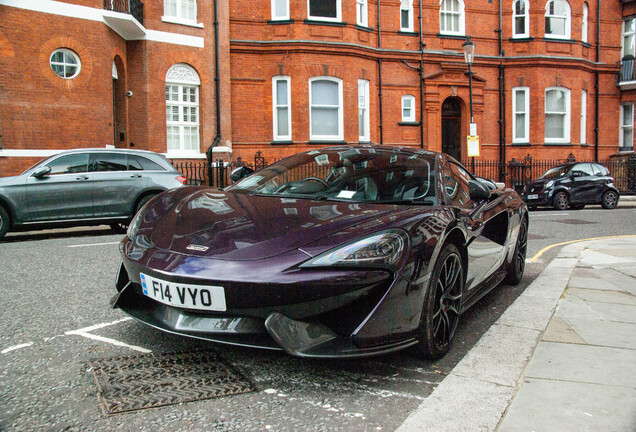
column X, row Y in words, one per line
column 385, row 249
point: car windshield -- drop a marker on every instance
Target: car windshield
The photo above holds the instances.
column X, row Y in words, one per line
column 555, row 173
column 348, row 174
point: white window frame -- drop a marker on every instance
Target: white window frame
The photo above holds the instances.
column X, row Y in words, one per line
column 64, row 64
column 411, row 118
column 584, row 23
column 583, row 116
column 525, row 16
column 178, row 18
column 340, row 135
column 284, row 16
column 363, row 105
column 624, row 34
column 462, row 17
column 566, row 115
column 525, row 110
column 567, row 17
column 406, row 5
column 623, row 127
column 276, row 106
column 362, row 13
column 182, row 76
column 338, row 17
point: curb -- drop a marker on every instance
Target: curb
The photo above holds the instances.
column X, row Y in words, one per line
column 477, row 392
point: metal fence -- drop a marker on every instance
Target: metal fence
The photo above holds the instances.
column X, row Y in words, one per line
column 515, row 173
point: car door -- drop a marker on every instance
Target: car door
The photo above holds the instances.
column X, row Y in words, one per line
column 115, row 188
column 487, row 225
column 66, row 193
column 583, row 183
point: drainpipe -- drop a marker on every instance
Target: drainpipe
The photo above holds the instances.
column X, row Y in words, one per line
column 421, row 80
column 597, row 78
column 502, row 102
column 380, row 75
column 217, row 90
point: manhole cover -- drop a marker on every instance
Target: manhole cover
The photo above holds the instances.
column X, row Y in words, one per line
column 575, row 222
column 149, row 381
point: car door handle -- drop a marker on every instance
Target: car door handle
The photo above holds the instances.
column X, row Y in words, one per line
column 136, row 176
column 81, row 178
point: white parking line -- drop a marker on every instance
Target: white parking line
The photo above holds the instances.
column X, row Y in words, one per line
column 549, row 214
column 84, row 332
column 16, row 347
column 93, row 244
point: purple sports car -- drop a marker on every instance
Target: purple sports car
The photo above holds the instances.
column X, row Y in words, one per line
column 336, row 252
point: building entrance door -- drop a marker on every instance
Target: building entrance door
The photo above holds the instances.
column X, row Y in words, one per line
column 451, row 128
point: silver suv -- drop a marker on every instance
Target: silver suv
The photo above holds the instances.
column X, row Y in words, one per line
column 84, row 187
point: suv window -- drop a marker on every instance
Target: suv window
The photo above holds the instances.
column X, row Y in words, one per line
column 69, row 164
column 108, row 162
column 139, row 163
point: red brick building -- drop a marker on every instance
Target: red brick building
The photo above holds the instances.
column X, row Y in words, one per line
column 550, row 78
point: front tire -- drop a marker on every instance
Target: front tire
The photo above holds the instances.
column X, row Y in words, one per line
column 442, row 304
column 518, row 264
column 610, row 200
column 561, row 201
column 4, row 222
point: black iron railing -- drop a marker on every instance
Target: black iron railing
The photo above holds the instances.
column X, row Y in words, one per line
column 626, row 74
column 517, row 173
column 131, row 7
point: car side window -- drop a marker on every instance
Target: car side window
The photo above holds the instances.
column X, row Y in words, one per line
column 583, row 169
column 456, row 184
column 69, row 164
column 107, row 162
column 596, row 170
column 140, row 163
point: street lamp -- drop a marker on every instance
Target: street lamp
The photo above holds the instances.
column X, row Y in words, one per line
column 469, row 56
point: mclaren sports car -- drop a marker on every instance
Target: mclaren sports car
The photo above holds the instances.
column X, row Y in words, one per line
column 336, row 252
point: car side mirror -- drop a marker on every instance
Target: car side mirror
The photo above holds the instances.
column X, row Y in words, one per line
column 240, row 172
column 478, row 191
column 41, row 172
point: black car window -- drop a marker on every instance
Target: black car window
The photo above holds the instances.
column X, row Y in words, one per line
column 138, row 163
column 69, row 164
column 107, row 162
column 456, row 184
column 582, row 169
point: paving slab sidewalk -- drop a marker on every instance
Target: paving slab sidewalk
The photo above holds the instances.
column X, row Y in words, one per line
column 561, row 358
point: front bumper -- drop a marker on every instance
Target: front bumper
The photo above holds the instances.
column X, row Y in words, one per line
column 306, row 313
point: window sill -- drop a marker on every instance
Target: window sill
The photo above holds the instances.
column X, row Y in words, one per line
column 521, row 144
column 280, row 21
column 184, row 155
column 407, row 33
column 558, row 39
column 314, row 21
column 281, row 143
column 408, row 123
column 521, row 39
column 586, row 44
column 173, row 20
column 363, row 28
column 451, row 36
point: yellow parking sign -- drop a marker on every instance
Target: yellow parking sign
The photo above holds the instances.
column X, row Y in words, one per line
column 473, row 146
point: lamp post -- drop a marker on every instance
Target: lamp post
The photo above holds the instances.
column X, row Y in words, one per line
column 469, row 56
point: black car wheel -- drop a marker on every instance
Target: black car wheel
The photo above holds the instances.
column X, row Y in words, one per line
column 4, row 222
column 610, row 200
column 518, row 264
column 442, row 304
column 561, row 201
column 119, row 228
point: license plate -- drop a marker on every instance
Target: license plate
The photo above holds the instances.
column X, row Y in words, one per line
column 531, row 197
column 188, row 296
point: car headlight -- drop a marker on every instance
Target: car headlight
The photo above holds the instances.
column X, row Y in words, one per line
column 549, row 184
column 385, row 249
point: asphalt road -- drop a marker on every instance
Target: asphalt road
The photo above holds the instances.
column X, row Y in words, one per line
column 55, row 320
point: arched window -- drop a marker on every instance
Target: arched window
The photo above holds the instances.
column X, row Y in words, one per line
column 584, row 23
column 520, row 19
column 325, row 109
column 557, row 19
column 557, row 115
column 451, row 17
column 182, row 109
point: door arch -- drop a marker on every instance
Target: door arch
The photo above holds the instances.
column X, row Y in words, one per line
column 451, row 127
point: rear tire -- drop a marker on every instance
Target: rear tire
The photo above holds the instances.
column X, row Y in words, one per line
column 442, row 304
column 561, row 201
column 518, row 264
column 4, row 222
column 610, row 200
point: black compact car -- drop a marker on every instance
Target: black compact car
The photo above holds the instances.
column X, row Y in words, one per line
column 573, row 185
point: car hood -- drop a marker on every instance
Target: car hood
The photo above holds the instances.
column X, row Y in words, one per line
column 230, row 226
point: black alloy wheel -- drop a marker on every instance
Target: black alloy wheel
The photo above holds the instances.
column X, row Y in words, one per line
column 610, row 200
column 442, row 304
column 518, row 264
column 561, row 201
column 4, row 222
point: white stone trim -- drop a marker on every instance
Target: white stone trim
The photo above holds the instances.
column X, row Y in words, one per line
column 184, row 155
column 28, row 153
column 174, row 20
